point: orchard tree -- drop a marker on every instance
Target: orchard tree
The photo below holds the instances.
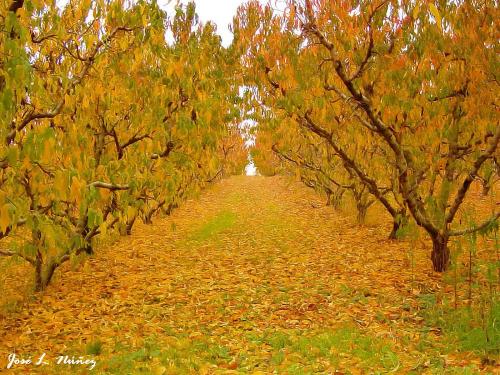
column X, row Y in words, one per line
column 286, row 72
column 105, row 122
column 48, row 55
column 416, row 82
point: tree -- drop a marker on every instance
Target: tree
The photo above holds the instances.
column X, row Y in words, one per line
column 412, row 82
column 104, row 122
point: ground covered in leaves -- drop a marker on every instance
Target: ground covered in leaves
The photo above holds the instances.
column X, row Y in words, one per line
column 255, row 276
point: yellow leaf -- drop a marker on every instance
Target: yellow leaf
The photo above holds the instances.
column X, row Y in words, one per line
column 131, row 211
column 416, row 10
column 178, row 68
column 437, row 16
column 48, row 150
column 4, row 217
column 60, row 185
column 208, row 117
column 44, row 199
column 98, row 90
column 85, row 102
column 76, row 190
column 159, row 370
column 103, row 228
column 26, row 163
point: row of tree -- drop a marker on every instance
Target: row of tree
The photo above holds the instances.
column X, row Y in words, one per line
column 104, row 121
column 395, row 102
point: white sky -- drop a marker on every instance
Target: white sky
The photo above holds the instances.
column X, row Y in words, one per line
column 219, row 11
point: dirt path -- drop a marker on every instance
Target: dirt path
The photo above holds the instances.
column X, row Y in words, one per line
column 256, row 275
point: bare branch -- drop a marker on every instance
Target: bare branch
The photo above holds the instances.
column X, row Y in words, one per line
column 16, row 5
column 105, row 185
column 487, row 223
column 165, row 153
column 490, row 151
column 9, row 253
column 40, row 38
column 369, row 54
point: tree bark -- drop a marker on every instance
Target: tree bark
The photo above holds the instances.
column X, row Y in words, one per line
column 38, row 272
column 399, row 221
column 334, row 198
column 440, row 255
column 362, row 210
column 130, row 224
column 395, row 227
column 148, row 218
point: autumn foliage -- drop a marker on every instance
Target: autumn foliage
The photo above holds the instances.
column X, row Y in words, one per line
column 394, row 102
column 378, row 121
column 105, row 121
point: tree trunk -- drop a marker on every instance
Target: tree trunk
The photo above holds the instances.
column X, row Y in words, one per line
column 38, row 272
column 486, row 189
column 395, row 227
column 148, row 218
column 88, row 246
column 130, row 224
column 362, row 210
column 89, row 249
column 329, row 198
column 399, row 221
column 334, row 198
column 50, row 272
column 337, row 199
column 170, row 208
column 440, row 255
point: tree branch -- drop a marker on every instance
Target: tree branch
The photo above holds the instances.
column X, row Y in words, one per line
column 88, row 60
column 9, row 253
column 105, row 185
column 471, row 175
column 16, row 5
column 487, row 223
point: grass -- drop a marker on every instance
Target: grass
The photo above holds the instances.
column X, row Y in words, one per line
column 94, row 348
column 222, row 221
column 464, row 329
column 289, row 351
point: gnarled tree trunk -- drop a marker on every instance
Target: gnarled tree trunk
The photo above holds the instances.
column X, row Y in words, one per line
column 362, row 210
column 440, row 255
column 399, row 221
column 130, row 224
column 334, row 198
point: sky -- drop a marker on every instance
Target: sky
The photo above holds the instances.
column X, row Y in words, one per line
column 219, row 11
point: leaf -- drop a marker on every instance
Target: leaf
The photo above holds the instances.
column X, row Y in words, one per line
column 437, row 16
column 75, row 194
column 60, row 185
column 4, row 217
column 131, row 211
column 94, row 218
column 159, row 370
column 103, row 228
column 416, row 11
